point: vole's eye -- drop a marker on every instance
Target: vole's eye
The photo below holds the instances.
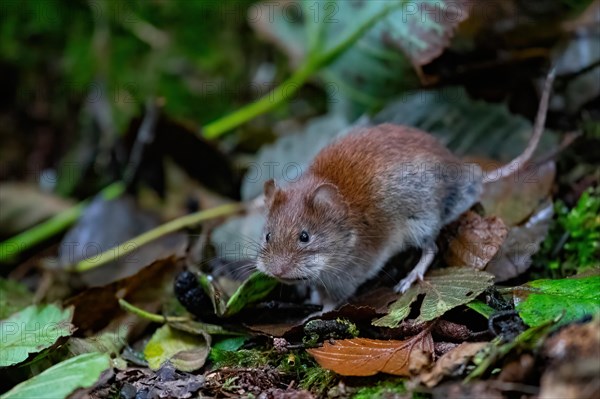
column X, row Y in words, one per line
column 268, row 237
column 304, row 236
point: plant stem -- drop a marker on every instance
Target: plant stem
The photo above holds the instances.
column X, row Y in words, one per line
column 335, row 52
column 289, row 87
column 151, row 235
column 56, row 224
column 157, row 318
column 181, row 323
column 269, row 101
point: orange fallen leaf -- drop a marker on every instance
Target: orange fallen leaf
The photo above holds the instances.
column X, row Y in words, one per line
column 364, row 357
column 476, row 242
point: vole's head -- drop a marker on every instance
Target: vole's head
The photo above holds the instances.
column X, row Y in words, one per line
column 307, row 231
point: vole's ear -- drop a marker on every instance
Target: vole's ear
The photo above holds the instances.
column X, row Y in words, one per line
column 269, row 191
column 327, row 195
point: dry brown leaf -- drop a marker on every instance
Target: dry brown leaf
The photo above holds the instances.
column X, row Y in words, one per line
column 522, row 201
column 106, row 224
column 516, row 197
column 364, row 357
column 24, row 205
column 521, row 243
column 574, row 342
column 573, row 367
column 272, row 330
column 452, row 362
column 460, row 390
column 518, row 370
column 476, row 242
column 166, row 382
column 97, row 306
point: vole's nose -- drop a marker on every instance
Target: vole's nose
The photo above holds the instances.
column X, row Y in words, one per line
column 280, row 267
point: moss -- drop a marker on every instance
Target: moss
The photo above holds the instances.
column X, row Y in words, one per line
column 381, row 389
column 351, row 327
column 307, row 372
column 317, row 379
column 240, row 358
column 573, row 243
column 298, row 365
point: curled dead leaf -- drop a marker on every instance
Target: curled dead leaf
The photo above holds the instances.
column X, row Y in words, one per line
column 476, row 242
column 452, row 363
column 521, row 243
column 438, row 39
column 364, row 357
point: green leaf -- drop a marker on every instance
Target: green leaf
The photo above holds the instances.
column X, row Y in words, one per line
column 444, row 289
column 185, row 351
column 14, row 296
column 365, row 61
column 481, row 308
column 467, row 127
column 199, row 328
column 109, row 342
column 399, row 310
column 448, row 288
column 217, row 298
column 62, row 379
column 573, row 298
column 256, row 287
column 32, row 330
column 230, row 344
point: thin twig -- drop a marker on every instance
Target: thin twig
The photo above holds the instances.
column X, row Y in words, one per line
column 151, row 235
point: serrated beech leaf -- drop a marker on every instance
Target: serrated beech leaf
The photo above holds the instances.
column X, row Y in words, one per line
column 364, row 357
column 444, row 289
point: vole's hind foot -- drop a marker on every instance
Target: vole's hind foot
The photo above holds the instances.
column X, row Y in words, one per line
column 417, row 273
column 407, row 282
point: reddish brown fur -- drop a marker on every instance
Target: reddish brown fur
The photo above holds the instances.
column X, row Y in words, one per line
column 366, row 197
column 360, row 162
column 361, row 206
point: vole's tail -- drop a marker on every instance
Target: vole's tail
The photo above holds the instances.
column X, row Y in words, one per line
column 538, row 128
